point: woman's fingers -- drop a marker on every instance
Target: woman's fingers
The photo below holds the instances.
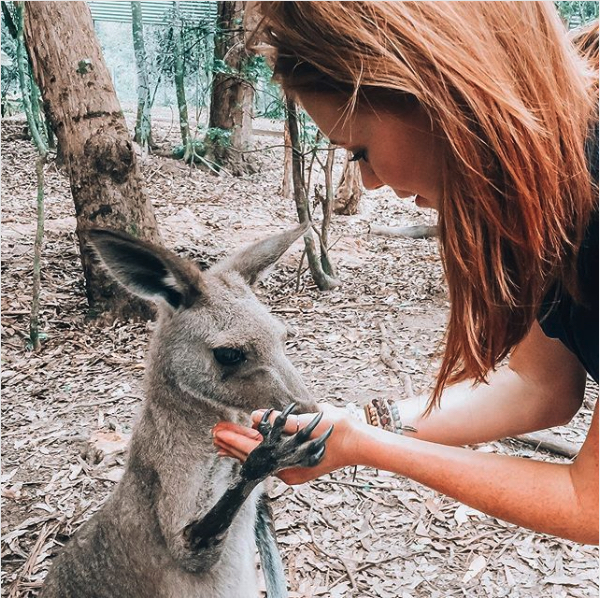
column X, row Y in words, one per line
column 236, row 440
column 292, row 424
column 230, row 451
column 237, row 429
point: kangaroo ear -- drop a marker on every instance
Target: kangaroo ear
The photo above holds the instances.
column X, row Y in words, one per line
column 252, row 261
column 146, row 270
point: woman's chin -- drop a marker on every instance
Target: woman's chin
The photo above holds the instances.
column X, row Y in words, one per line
column 423, row 202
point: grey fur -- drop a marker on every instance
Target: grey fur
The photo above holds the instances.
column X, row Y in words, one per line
column 152, row 539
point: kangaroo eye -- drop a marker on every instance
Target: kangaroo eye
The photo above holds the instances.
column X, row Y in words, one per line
column 229, row 356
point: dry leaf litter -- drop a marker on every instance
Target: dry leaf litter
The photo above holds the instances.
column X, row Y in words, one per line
column 67, row 411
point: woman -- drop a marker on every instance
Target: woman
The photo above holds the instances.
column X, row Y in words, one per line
column 485, row 112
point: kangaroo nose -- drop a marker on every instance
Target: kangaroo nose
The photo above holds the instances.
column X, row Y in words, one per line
column 304, row 402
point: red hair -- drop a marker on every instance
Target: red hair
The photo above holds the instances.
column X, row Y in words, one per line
column 512, row 102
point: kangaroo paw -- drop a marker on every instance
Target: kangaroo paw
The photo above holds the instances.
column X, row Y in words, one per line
column 279, row 451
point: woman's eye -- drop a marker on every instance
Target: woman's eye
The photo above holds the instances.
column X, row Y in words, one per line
column 359, row 155
column 229, row 356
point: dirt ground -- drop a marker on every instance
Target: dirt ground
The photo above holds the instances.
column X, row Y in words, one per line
column 368, row 534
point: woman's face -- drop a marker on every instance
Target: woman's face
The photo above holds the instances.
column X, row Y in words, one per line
column 400, row 151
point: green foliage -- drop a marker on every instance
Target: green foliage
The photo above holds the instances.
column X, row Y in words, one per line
column 221, row 67
column 256, row 69
column 11, row 101
column 197, row 43
column 84, row 66
column 575, row 13
column 268, row 99
column 274, row 108
column 196, row 151
column 219, row 137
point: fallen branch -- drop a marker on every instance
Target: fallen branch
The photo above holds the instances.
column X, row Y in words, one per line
column 549, row 442
column 421, row 231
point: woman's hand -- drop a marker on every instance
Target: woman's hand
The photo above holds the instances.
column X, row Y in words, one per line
column 238, row 441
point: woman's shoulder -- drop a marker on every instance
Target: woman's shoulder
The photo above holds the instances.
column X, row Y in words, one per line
column 575, row 323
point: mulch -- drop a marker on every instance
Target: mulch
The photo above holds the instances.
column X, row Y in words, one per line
column 68, row 409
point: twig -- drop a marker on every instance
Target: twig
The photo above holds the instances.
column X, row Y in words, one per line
column 37, row 548
column 366, row 566
column 299, row 272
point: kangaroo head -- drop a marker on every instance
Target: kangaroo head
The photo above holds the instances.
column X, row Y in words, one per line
column 214, row 341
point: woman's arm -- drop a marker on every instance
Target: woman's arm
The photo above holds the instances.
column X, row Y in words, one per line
column 557, row 499
column 542, row 386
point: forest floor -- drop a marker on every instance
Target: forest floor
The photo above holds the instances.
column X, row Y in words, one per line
column 372, row 534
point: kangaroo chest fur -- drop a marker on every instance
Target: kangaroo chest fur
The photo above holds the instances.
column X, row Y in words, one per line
column 125, row 550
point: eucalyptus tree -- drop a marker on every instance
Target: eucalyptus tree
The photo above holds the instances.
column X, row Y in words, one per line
column 229, row 134
column 100, row 160
column 143, row 121
column 320, row 266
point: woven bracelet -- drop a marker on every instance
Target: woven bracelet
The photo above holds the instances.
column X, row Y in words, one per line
column 384, row 413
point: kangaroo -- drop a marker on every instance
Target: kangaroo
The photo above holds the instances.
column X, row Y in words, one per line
column 182, row 522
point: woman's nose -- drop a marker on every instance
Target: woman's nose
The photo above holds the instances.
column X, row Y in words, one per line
column 369, row 178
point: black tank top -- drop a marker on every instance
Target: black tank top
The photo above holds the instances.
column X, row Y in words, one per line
column 576, row 324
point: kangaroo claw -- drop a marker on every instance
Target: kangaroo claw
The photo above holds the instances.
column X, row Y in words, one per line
column 304, row 434
column 264, row 427
column 278, row 451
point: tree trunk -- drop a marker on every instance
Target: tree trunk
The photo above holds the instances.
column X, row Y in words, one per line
column 179, row 79
column 321, row 278
column 30, row 96
column 232, row 97
column 105, row 179
column 349, row 190
column 327, row 206
column 286, row 184
column 143, row 121
column 29, row 92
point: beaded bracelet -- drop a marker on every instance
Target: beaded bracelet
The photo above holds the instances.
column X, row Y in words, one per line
column 383, row 413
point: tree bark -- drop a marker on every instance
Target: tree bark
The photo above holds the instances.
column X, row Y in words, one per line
column 232, row 94
column 106, row 183
column 349, row 190
column 179, row 79
column 321, row 278
column 286, row 184
column 29, row 92
column 143, row 121
column 327, row 205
